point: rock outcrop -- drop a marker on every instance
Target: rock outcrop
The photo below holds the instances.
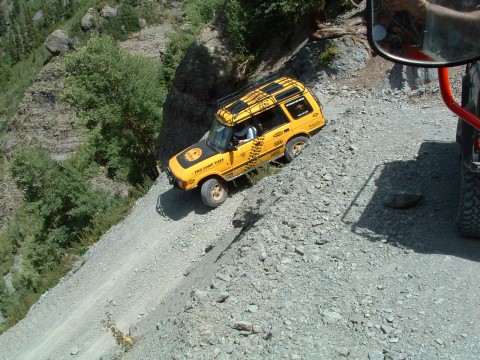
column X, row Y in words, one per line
column 89, row 20
column 58, row 42
column 206, row 74
column 42, row 117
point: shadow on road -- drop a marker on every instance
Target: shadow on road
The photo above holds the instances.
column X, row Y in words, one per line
column 429, row 227
column 176, row 204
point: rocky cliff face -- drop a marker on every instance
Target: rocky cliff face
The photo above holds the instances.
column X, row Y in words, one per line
column 41, row 117
column 206, row 73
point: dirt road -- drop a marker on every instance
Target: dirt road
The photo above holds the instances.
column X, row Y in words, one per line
column 126, row 275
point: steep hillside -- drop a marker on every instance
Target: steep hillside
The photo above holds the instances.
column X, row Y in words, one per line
column 348, row 252
column 330, row 267
column 322, row 265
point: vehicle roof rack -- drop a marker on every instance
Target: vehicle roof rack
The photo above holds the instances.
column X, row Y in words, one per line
column 246, row 89
column 250, row 95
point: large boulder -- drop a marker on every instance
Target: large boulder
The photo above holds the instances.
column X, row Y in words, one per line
column 89, row 21
column 108, row 12
column 410, row 78
column 58, row 42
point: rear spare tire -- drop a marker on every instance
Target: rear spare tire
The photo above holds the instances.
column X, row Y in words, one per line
column 214, row 192
column 295, row 147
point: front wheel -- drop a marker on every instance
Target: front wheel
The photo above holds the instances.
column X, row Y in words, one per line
column 469, row 206
column 214, row 193
column 295, row 147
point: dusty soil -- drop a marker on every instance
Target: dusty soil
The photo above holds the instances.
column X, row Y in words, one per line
column 126, row 274
column 330, row 271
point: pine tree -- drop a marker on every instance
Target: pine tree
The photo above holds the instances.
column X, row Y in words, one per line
column 3, row 21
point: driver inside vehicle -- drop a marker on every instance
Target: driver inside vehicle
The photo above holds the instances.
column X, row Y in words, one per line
column 247, row 133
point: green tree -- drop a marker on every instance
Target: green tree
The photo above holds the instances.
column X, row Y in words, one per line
column 119, row 100
column 16, row 9
column 61, row 210
column 246, row 19
column 57, row 193
column 3, row 21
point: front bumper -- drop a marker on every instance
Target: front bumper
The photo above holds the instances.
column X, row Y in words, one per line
column 173, row 180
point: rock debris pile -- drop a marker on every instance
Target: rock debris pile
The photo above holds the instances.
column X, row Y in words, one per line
column 323, row 268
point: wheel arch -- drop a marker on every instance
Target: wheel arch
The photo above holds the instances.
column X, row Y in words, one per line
column 211, row 176
column 303, row 133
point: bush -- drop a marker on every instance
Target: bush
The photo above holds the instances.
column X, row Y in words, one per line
column 56, row 193
column 123, row 24
column 61, row 215
column 263, row 171
column 119, row 99
column 328, row 55
column 252, row 23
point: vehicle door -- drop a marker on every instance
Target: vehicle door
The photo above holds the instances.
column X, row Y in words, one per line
column 275, row 132
column 242, row 158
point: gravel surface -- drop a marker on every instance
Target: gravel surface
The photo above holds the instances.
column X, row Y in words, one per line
column 331, row 270
column 353, row 254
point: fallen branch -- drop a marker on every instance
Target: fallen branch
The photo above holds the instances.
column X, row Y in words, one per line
column 329, row 32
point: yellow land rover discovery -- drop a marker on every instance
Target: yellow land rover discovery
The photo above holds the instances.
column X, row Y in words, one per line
column 258, row 124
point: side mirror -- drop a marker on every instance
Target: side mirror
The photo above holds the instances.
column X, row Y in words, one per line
column 424, row 32
column 232, row 146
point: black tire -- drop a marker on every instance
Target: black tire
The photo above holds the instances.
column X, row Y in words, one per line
column 295, row 147
column 214, row 192
column 469, row 205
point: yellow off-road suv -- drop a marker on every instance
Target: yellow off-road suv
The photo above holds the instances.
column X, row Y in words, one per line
column 258, row 124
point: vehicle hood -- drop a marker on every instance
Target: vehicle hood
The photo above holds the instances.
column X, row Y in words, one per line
column 195, row 154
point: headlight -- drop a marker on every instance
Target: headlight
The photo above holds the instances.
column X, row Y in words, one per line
column 169, row 175
column 180, row 184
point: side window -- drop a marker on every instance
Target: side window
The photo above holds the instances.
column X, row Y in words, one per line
column 271, row 119
column 298, row 107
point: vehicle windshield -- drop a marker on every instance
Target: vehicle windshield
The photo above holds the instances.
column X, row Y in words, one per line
column 428, row 31
column 219, row 136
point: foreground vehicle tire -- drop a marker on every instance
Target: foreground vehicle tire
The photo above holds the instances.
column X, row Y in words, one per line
column 214, row 192
column 295, row 147
column 469, row 206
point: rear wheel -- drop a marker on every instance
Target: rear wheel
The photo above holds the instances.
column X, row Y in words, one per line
column 214, row 192
column 295, row 147
column 469, row 206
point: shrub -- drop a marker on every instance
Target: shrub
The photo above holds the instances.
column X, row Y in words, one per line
column 252, row 23
column 263, row 171
column 119, row 100
column 328, row 55
column 61, row 210
column 123, row 24
column 56, row 193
